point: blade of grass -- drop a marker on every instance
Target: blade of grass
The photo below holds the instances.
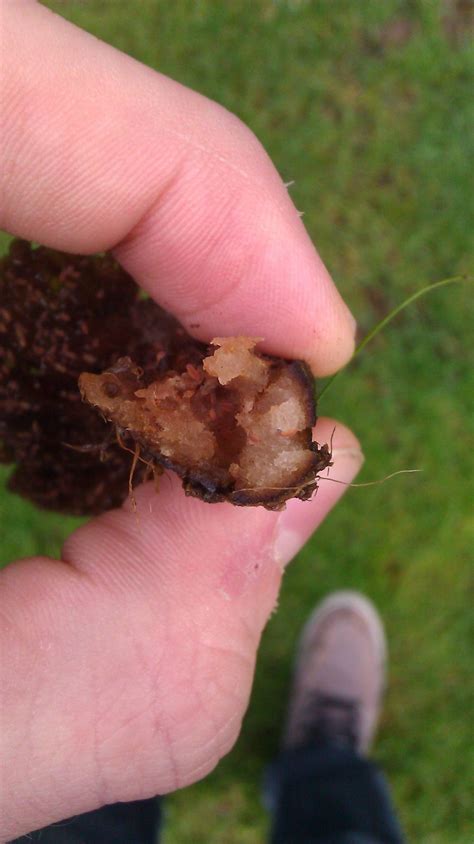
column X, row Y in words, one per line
column 398, row 309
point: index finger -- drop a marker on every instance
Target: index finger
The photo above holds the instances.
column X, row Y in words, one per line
column 101, row 152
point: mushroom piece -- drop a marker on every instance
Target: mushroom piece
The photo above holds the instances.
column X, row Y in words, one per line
column 235, row 424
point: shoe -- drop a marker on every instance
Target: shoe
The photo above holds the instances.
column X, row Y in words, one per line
column 339, row 676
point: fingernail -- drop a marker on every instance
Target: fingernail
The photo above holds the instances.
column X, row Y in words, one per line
column 300, row 518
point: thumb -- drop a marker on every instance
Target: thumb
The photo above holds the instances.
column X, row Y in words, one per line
column 127, row 667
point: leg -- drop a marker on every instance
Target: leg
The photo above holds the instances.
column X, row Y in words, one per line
column 137, row 822
column 330, row 795
column 322, row 788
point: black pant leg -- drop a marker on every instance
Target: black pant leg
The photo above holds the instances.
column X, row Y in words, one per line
column 136, row 822
column 330, row 795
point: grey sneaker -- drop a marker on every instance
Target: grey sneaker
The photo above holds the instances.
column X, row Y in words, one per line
column 339, row 675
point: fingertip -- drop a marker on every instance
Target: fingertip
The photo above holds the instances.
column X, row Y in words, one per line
column 336, row 433
column 335, row 346
column 301, row 518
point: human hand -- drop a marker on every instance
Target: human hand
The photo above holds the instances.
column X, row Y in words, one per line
column 127, row 666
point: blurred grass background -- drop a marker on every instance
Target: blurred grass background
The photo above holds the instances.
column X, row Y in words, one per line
column 368, row 108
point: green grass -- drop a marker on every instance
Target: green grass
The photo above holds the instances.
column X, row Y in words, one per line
column 374, row 127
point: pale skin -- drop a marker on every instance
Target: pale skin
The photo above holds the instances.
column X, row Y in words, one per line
column 127, row 665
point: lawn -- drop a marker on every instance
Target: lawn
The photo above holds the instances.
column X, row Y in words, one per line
column 368, row 108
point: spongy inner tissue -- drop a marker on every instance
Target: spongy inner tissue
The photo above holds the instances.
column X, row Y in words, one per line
column 238, row 415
